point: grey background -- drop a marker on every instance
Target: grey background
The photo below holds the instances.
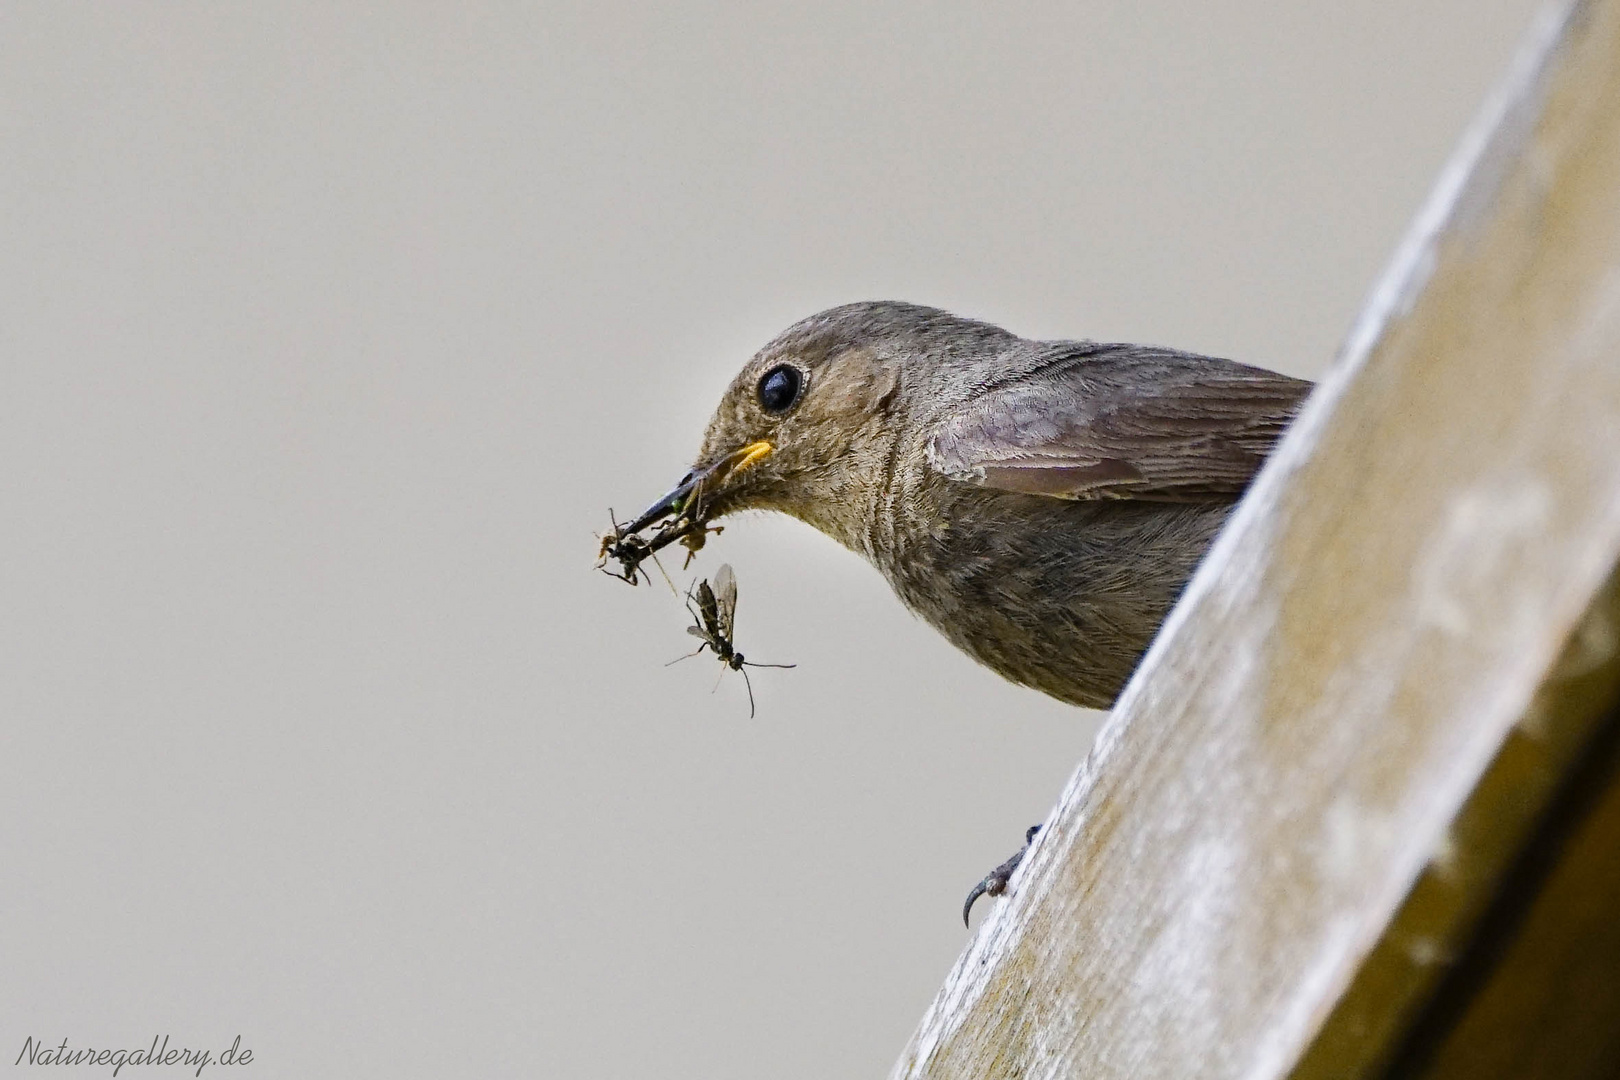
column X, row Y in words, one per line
column 328, row 334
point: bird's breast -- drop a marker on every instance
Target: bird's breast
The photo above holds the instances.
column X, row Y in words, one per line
column 1055, row 594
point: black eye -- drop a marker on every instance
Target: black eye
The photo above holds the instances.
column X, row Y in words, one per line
column 779, row 389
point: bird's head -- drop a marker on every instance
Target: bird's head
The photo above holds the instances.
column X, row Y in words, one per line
column 811, row 423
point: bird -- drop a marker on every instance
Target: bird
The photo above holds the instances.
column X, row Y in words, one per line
column 1041, row 504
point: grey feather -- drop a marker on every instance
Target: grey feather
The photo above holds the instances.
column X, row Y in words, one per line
column 1119, row 421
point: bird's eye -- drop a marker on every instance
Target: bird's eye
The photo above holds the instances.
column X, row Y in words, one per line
column 780, row 387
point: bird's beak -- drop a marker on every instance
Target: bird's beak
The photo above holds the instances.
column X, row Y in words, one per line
column 686, row 500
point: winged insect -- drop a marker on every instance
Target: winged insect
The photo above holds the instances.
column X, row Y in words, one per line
column 714, row 613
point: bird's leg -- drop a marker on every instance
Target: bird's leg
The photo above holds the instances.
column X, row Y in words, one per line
column 995, row 882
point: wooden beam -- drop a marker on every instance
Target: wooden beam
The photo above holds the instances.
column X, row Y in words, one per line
column 1376, row 694
column 1512, row 850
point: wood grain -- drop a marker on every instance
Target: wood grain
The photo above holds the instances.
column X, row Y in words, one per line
column 1288, row 797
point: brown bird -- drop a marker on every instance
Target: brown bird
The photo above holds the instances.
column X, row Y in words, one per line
column 1040, row 503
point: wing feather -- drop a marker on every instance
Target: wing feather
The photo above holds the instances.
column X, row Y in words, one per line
column 1120, row 422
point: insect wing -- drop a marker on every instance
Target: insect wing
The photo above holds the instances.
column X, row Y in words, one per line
column 707, row 610
column 725, row 600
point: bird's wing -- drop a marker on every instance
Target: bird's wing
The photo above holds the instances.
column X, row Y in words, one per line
column 1120, row 422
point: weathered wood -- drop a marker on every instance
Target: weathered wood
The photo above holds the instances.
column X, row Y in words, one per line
column 1535, row 992
column 1329, row 766
column 1545, row 999
column 1441, row 947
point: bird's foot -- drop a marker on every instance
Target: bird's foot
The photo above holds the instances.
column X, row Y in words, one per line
column 995, row 882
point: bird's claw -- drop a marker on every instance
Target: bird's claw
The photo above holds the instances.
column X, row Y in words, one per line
column 995, row 882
